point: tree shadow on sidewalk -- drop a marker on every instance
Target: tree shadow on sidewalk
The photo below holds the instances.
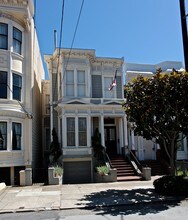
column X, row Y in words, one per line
column 126, row 202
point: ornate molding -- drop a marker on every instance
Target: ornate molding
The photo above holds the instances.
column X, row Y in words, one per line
column 14, row 2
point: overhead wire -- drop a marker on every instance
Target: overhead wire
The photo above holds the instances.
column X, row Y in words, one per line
column 75, row 31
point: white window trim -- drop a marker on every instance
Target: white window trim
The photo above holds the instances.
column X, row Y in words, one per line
column 10, row 134
column 75, row 82
column 76, row 130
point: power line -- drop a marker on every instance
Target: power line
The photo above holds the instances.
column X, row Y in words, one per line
column 29, row 115
column 80, row 12
column 60, row 40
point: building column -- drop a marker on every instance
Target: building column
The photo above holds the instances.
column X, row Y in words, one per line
column 12, row 176
column 89, row 131
column 102, row 130
column 121, row 133
column 125, row 130
column 132, row 140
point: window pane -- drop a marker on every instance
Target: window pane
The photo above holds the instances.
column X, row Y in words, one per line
column 107, row 83
column 82, row 129
column 16, row 136
column 3, row 29
column 17, row 86
column 71, row 132
column 3, row 135
column 81, row 90
column 17, row 34
column 3, row 85
column 3, row 42
column 81, row 76
column 3, row 36
column 17, row 40
column 69, row 76
column 16, row 46
column 70, row 90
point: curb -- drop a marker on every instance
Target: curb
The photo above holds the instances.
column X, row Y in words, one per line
column 156, row 201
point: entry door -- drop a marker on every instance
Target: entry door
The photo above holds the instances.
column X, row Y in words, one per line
column 110, row 140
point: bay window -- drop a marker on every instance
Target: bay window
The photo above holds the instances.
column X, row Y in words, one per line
column 17, row 87
column 82, row 131
column 77, row 131
column 3, row 135
column 16, row 136
column 70, row 131
column 3, row 85
column 3, row 36
column 17, row 40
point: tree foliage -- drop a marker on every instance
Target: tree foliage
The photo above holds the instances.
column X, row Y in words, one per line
column 159, row 108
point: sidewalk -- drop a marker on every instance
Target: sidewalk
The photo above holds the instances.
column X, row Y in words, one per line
column 38, row 198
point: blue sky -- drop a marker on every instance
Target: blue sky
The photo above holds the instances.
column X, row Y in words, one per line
column 141, row 31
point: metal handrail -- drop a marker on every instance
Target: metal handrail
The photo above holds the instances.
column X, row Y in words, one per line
column 108, row 159
column 131, row 155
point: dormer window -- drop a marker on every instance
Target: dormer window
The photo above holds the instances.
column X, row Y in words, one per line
column 3, row 36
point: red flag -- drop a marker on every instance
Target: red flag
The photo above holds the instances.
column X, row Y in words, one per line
column 114, row 83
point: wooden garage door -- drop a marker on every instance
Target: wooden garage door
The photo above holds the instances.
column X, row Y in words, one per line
column 77, row 172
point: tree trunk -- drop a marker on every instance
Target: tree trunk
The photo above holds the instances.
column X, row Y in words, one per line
column 170, row 149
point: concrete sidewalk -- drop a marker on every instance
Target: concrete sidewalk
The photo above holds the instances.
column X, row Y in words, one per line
column 56, row 197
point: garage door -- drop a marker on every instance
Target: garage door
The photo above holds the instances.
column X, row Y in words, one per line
column 77, row 172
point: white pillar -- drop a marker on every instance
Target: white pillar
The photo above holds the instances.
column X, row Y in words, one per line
column 121, row 133
column 102, row 130
column 89, row 131
column 132, row 140
column 125, row 130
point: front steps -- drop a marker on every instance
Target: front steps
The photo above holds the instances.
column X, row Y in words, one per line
column 156, row 167
column 125, row 172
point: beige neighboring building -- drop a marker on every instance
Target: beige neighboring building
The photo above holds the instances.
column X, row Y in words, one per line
column 21, row 73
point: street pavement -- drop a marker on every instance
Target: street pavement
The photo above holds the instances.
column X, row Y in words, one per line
column 40, row 197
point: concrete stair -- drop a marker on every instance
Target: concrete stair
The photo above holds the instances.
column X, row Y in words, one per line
column 125, row 171
column 156, row 168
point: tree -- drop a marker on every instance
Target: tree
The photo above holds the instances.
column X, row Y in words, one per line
column 159, row 108
column 55, row 149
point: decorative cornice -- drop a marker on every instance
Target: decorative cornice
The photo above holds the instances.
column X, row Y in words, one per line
column 14, row 2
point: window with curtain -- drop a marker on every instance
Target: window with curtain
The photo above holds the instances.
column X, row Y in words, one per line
column 81, row 83
column 82, row 130
column 3, row 85
column 16, row 136
column 17, row 40
column 69, row 83
column 3, row 135
column 3, row 36
column 17, row 87
column 71, row 132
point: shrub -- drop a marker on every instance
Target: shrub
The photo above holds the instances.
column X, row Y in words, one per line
column 58, row 171
column 103, row 170
column 171, row 185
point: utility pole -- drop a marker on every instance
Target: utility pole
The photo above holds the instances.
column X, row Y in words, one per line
column 184, row 32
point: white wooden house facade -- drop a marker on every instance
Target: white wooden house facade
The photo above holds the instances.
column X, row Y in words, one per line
column 81, row 102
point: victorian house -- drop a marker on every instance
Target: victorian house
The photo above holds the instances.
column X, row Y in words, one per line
column 86, row 94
